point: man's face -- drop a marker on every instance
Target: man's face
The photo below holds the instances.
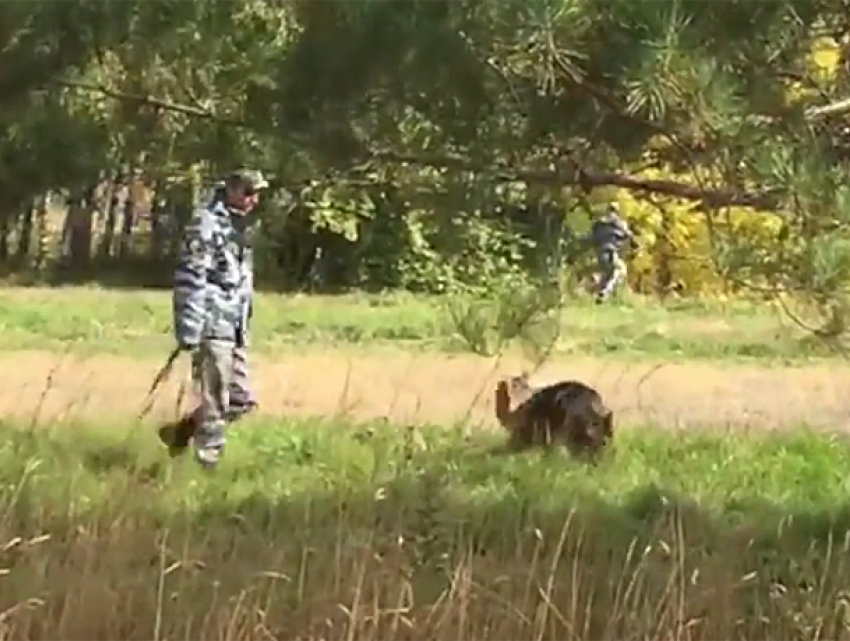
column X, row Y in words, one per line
column 241, row 198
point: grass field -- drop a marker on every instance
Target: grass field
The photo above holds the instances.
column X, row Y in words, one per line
column 135, row 322
column 371, row 499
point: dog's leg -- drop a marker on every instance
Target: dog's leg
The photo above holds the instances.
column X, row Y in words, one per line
column 608, row 428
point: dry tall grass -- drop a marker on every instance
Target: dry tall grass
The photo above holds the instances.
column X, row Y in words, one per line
column 118, row 577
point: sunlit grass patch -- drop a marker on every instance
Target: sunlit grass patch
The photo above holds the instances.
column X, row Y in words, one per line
column 100, row 320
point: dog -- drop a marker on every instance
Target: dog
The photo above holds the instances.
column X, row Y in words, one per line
column 568, row 413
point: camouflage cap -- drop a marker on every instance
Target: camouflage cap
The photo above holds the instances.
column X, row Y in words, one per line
column 251, row 179
column 612, row 210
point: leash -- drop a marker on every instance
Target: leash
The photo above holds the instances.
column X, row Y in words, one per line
column 158, row 380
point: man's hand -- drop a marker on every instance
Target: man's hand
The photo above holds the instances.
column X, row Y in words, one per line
column 187, row 347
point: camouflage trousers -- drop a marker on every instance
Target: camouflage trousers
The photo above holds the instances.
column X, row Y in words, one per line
column 241, row 398
column 220, row 377
column 612, row 272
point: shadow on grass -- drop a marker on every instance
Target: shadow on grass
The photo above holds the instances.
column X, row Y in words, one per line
column 319, row 532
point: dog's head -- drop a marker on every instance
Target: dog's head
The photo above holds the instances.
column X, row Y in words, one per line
column 511, row 392
column 519, row 388
column 604, row 429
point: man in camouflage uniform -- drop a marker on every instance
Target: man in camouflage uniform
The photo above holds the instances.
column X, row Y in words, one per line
column 212, row 305
column 607, row 236
column 242, row 400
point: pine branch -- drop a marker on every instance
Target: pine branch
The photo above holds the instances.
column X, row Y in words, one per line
column 589, row 178
column 833, row 108
column 158, row 103
column 586, row 178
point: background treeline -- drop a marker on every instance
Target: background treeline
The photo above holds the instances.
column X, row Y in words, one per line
column 433, row 146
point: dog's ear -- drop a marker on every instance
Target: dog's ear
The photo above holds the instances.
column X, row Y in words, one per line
column 517, row 385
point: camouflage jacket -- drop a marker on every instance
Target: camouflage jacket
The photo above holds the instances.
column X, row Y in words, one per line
column 610, row 233
column 213, row 281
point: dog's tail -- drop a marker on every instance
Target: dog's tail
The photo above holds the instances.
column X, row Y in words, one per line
column 503, row 405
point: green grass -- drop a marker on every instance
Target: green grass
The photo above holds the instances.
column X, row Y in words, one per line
column 331, row 530
column 88, row 319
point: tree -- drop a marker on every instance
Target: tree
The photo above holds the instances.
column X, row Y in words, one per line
column 430, row 133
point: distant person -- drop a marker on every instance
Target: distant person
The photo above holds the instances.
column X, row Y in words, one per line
column 212, row 305
column 608, row 235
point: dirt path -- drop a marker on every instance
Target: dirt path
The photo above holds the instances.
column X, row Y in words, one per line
column 436, row 388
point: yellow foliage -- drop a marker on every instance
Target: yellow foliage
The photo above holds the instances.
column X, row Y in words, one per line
column 824, row 58
column 673, row 234
column 821, row 64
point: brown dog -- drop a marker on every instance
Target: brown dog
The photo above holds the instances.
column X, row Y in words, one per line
column 568, row 413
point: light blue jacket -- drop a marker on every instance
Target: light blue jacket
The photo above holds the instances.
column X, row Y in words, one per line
column 610, row 233
column 213, row 282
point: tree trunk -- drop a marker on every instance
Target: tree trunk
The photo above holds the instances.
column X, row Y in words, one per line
column 110, row 207
column 158, row 230
column 79, row 228
column 663, row 255
column 25, row 239
column 4, row 238
column 180, row 206
column 42, row 230
column 132, row 196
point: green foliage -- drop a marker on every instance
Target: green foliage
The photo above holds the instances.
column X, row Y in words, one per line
column 464, row 251
column 436, row 146
column 528, row 313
